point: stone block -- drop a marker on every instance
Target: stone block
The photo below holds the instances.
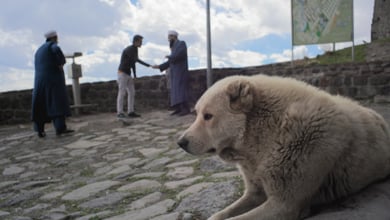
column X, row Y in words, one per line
column 360, row 80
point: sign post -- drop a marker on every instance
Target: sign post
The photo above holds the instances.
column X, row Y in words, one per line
column 74, row 72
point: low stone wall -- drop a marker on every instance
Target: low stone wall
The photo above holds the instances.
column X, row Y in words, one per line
column 361, row 81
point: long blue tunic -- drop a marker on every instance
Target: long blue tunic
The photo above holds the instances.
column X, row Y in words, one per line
column 178, row 65
column 49, row 98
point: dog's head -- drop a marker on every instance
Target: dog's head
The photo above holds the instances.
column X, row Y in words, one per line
column 220, row 118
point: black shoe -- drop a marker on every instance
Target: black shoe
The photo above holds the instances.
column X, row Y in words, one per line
column 184, row 109
column 121, row 116
column 184, row 112
column 133, row 115
column 177, row 111
column 41, row 134
column 66, row 131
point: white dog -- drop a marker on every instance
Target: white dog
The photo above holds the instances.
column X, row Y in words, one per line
column 295, row 145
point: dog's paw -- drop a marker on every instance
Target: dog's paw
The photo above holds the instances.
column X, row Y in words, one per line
column 216, row 216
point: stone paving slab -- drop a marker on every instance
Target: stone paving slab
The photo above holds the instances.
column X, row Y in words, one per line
column 148, row 212
column 134, row 170
column 89, row 190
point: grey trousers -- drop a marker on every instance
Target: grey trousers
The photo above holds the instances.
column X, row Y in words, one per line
column 125, row 85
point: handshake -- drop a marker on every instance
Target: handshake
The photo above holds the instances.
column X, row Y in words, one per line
column 158, row 66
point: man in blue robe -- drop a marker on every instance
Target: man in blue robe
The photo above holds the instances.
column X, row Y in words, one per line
column 178, row 64
column 49, row 98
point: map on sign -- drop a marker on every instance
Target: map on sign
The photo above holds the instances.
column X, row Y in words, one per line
column 321, row 21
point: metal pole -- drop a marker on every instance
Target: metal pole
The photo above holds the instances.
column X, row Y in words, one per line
column 292, row 34
column 353, row 50
column 353, row 35
column 209, row 65
column 292, row 55
column 76, row 94
column 76, row 89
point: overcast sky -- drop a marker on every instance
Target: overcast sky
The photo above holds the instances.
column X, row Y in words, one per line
column 244, row 33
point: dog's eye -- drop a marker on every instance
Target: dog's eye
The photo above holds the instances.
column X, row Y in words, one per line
column 207, row 116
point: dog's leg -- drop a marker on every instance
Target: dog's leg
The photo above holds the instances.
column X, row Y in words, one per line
column 271, row 209
column 251, row 199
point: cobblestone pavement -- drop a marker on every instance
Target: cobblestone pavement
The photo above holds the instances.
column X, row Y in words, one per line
column 133, row 170
column 106, row 169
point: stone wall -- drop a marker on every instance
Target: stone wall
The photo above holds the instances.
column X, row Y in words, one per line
column 380, row 27
column 377, row 50
column 362, row 81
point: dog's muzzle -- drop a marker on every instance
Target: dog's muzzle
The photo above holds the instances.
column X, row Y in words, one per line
column 183, row 143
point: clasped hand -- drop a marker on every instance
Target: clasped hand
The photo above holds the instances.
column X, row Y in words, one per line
column 158, row 66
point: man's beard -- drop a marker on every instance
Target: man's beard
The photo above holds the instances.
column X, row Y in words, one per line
column 171, row 42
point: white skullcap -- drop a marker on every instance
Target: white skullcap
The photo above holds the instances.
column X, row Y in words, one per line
column 172, row 32
column 50, row 34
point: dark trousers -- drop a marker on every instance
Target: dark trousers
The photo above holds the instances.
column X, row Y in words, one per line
column 58, row 123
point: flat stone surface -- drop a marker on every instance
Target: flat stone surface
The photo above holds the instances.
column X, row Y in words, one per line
column 20, row 198
column 184, row 182
column 145, row 201
column 226, row 174
column 7, row 183
column 52, row 195
column 119, row 170
column 184, row 163
column 36, row 208
column 171, row 216
column 128, row 161
column 4, row 214
column 98, row 215
column 32, row 155
column 149, row 175
column 157, row 163
column 151, row 152
column 107, row 200
column 83, row 144
column 146, row 213
column 180, row 172
column 5, row 160
column 13, row 170
column 211, row 199
column 141, row 185
column 193, row 189
column 89, row 190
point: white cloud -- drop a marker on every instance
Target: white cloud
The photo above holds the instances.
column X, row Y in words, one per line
column 16, row 79
column 282, row 57
column 245, row 58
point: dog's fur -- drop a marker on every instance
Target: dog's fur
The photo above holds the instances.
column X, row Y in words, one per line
column 294, row 144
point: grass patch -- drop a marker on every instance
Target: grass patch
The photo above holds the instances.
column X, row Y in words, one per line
column 87, row 172
column 342, row 56
column 385, row 40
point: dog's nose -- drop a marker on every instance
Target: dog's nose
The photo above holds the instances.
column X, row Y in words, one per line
column 183, row 143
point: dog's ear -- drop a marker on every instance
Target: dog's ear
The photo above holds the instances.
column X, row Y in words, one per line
column 240, row 95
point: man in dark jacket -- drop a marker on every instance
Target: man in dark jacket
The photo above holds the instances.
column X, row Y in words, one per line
column 125, row 81
column 49, row 98
column 178, row 64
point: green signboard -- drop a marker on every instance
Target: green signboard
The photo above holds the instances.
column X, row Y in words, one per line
column 321, row 21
